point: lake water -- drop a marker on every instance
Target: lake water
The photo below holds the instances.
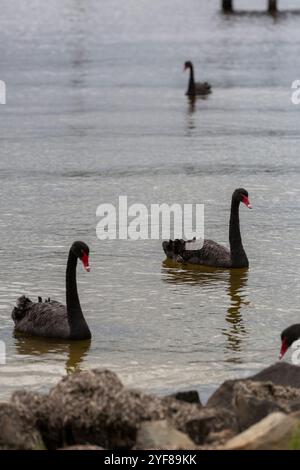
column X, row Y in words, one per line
column 96, row 109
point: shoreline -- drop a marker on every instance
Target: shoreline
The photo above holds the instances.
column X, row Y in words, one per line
column 93, row 408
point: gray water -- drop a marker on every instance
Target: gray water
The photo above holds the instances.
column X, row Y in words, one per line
column 96, row 109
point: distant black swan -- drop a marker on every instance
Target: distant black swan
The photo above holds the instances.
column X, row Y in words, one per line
column 211, row 253
column 52, row 319
column 288, row 337
column 196, row 88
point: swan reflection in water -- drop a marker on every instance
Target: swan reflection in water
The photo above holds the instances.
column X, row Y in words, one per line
column 191, row 113
column 235, row 281
column 191, row 104
column 236, row 331
column 74, row 351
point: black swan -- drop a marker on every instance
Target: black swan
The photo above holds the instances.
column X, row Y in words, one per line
column 288, row 337
column 211, row 253
column 196, row 88
column 52, row 319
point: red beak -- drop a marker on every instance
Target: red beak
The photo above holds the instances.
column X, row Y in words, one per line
column 85, row 262
column 246, row 201
column 283, row 349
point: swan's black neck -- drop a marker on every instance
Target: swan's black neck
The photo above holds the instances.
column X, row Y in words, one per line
column 238, row 256
column 191, row 86
column 78, row 326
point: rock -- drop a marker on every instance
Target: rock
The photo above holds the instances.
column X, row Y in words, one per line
column 84, row 447
column 201, row 426
column 162, row 435
column 223, row 396
column 252, row 401
column 281, row 373
column 92, row 407
column 189, row 396
column 17, row 430
column 41, row 411
column 220, row 437
column 277, row 431
column 197, row 421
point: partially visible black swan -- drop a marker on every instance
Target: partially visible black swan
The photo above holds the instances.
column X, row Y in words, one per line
column 196, row 88
column 288, row 337
column 211, row 253
column 52, row 319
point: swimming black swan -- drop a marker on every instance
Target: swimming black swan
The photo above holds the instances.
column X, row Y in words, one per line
column 211, row 253
column 196, row 88
column 52, row 319
column 288, row 337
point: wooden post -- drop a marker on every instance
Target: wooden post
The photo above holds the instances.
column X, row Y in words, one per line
column 227, row 6
column 272, row 6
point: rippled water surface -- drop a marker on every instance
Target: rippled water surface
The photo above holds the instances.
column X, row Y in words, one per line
column 96, row 109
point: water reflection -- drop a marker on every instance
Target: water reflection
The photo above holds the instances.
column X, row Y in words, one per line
column 74, row 351
column 191, row 109
column 275, row 16
column 235, row 330
column 191, row 274
column 191, row 104
column 235, row 281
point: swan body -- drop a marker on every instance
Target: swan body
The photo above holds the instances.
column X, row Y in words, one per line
column 211, row 253
column 196, row 88
column 52, row 319
column 48, row 319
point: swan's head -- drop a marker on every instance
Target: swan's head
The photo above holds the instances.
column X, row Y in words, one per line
column 241, row 195
column 288, row 337
column 187, row 65
column 81, row 251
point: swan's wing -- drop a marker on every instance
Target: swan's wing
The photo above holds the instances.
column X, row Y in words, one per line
column 41, row 318
column 203, row 88
column 211, row 253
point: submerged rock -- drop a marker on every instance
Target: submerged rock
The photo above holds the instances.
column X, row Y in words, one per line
column 17, row 430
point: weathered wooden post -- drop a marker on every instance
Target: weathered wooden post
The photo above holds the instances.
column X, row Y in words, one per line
column 272, row 6
column 227, row 6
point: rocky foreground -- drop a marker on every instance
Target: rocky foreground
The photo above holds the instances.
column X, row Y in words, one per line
column 92, row 410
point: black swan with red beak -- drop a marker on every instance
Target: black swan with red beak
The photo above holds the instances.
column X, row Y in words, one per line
column 195, row 88
column 52, row 319
column 288, row 337
column 211, row 253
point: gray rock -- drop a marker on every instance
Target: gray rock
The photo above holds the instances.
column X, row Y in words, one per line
column 92, row 407
column 281, row 373
column 40, row 409
column 162, row 435
column 251, row 401
column 17, row 430
column 189, row 396
column 83, row 447
column 277, row 431
column 209, row 422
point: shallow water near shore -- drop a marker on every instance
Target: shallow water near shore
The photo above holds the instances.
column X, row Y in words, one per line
column 96, row 109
